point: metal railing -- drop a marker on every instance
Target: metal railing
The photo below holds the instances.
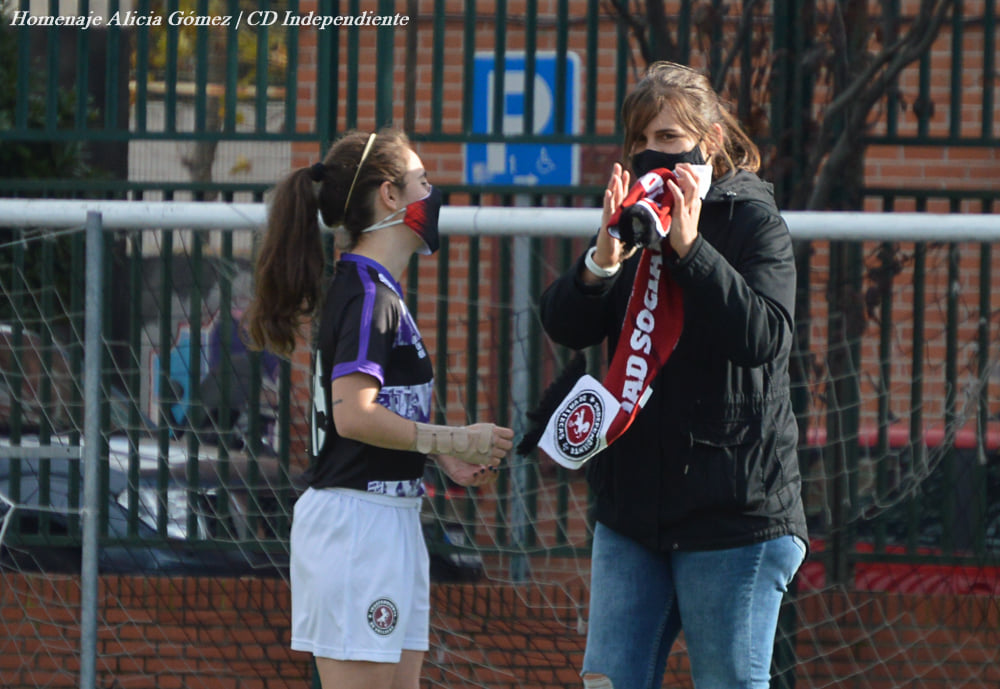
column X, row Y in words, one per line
column 914, row 411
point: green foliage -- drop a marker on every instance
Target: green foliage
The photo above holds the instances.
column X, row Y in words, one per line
column 35, row 159
column 246, row 40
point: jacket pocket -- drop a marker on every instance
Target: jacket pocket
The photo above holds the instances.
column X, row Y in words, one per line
column 720, row 434
column 720, row 463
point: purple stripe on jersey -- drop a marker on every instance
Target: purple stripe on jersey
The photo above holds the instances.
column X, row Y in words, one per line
column 361, row 364
column 378, row 267
column 374, row 370
column 408, row 333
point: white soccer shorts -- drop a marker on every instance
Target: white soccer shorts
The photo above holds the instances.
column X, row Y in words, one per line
column 360, row 576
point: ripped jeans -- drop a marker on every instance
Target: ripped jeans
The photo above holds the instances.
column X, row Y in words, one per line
column 728, row 601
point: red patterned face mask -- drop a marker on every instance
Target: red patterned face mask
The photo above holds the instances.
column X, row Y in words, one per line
column 421, row 216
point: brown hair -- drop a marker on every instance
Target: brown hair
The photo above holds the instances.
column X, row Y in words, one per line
column 288, row 270
column 697, row 107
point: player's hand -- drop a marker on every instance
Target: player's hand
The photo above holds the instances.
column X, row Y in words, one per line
column 491, row 444
column 465, row 474
column 480, row 443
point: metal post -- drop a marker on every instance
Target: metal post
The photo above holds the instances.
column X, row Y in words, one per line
column 520, row 383
column 91, row 453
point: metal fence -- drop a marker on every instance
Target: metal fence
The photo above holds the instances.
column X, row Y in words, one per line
column 175, row 110
column 456, row 75
column 899, row 439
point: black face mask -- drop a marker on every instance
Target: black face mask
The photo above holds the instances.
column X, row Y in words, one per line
column 652, row 160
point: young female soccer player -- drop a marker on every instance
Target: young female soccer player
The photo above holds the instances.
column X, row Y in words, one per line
column 360, row 577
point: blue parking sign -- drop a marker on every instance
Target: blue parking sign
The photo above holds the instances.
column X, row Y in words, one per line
column 523, row 164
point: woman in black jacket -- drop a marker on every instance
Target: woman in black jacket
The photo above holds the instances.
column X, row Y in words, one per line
column 699, row 515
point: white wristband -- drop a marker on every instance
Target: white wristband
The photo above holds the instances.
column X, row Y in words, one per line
column 596, row 269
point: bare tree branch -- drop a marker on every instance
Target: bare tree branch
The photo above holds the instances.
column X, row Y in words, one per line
column 830, row 143
column 860, row 96
column 742, row 36
column 890, row 62
column 635, row 26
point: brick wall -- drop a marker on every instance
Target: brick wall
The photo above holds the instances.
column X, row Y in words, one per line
column 162, row 633
column 167, row 633
column 940, row 168
column 926, row 167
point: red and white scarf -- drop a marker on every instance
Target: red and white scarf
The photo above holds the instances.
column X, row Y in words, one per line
column 593, row 415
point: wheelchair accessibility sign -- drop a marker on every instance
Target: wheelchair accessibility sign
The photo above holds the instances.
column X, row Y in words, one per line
column 528, row 164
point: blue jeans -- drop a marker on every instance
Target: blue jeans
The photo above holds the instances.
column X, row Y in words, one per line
column 726, row 600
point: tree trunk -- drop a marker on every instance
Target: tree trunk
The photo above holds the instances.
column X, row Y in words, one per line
column 201, row 158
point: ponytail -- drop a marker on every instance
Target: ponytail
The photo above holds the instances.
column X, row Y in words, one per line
column 289, row 267
column 290, row 262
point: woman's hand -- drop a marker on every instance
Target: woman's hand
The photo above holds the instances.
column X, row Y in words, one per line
column 465, row 474
column 610, row 251
column 687, row 208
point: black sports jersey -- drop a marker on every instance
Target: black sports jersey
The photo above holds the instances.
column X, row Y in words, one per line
column 366, row 327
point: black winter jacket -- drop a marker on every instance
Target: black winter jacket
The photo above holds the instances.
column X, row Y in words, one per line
column 710, row 461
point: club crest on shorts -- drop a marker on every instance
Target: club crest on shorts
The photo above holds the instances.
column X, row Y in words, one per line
column 579, row 424
column 382, row 616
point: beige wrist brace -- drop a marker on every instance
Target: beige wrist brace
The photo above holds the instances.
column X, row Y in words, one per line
column 469, row 443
